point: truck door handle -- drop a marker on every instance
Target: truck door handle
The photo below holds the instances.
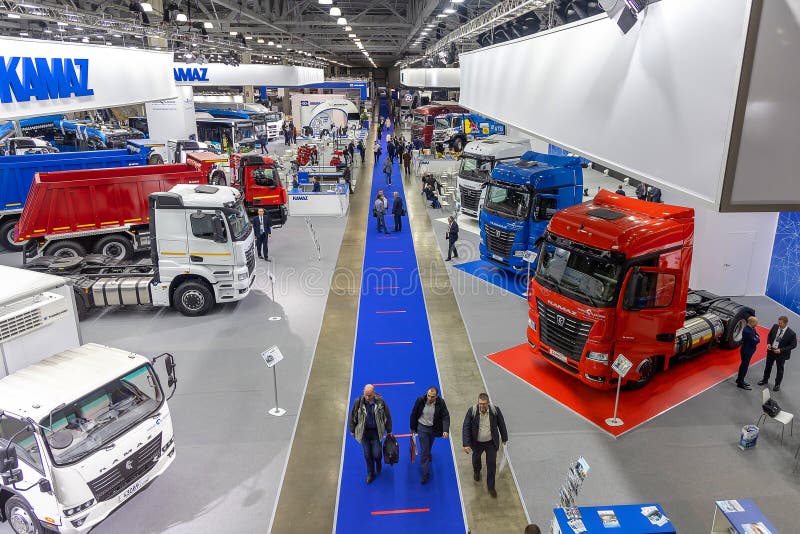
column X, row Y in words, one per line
column 197, row 259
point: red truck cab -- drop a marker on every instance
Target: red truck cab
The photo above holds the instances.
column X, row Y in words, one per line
column 613, row 278
column 258, row 178
column 424, row 118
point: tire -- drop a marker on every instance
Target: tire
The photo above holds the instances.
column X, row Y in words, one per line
column 83, row 309
column 21, row 518
column 193, row 299
column 732, row 337
column 155, row 159
column 647, row 369
column 7, row 235
column 65, row 249
column 217, row 178
column 118, row 247
column 458, row 144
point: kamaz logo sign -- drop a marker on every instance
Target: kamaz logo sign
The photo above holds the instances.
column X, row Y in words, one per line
column 185, row 74
column 304, row 197
column 23, row 78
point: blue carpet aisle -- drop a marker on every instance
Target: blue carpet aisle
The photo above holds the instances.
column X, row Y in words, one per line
column 394, row 351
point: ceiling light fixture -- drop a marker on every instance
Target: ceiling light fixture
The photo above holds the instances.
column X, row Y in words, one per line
column 208, row 25
column 449, row 10
column 233, row 33
column 13, row 16
column 335, row 12
column 260, row 41
column 325, row 2
column 180, row 17
column 441, row 15
column 146, row 6
column 341, row 21
column 271, row 43
column 348, row 28
column 351, row 35
column 279, row 46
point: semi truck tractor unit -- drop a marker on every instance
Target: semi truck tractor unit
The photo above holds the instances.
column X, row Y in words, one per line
column 258, row 179
column 521, row 198
column 613, row 278
column 424, row 118
column 477, row 161
column 201, row 253
column 455, row 130
column 17, row 172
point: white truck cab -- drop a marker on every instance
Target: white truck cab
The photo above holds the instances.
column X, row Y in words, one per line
column 81, row 431
column 478, row 160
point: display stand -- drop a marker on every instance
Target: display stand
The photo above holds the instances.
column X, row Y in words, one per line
column 271, row 357
column 743, row 516
column 621, row 365
column 629, row 518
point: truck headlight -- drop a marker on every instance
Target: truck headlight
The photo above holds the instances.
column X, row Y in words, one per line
column 243, row 276
column 599, row 357
column 519, row 253
column 76, row 509
column 531, row 324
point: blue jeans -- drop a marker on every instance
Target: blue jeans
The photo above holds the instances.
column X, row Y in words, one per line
column 426, row 438
column 382, row 224
column 372, row 450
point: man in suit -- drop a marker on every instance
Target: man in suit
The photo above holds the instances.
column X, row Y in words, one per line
column 397, row 211
column 750, row 340
column 452, row 237
column 430, row 420
column 262, row 225
column 780, row 343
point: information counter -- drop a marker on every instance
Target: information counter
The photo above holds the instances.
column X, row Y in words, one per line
column 627, row 518
column 333, row 200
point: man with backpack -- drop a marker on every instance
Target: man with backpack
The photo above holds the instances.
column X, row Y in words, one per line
column 429, row 420
column 369, row 420
column 483, row 430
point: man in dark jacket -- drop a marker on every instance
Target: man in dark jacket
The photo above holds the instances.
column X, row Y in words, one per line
column 780, row 343
column 390, row 150
column 398, row 210
column 262, row 227
column 750, row 341
column 452, row 237
column 483, row 429
column 430, row 420
column 369, row 420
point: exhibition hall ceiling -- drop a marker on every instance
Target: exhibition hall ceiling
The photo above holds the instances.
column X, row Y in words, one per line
column 357, row 33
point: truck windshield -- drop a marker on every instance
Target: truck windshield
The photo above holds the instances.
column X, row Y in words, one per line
column 441, row 124
column 238, row 222
column 508, row 200
column 419, row 121
column 243, row 130
column 471, row 168
column 590, row 280
column 95, row 420
column 272, row 117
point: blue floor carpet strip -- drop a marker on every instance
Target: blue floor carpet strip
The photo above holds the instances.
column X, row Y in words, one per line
column 513, row 283
column 394, row 351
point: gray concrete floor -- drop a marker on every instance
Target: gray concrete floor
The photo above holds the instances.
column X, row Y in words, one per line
column 230, row 453
column 684, row 459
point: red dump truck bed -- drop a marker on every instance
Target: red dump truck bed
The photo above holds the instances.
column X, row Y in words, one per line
column 89, row 200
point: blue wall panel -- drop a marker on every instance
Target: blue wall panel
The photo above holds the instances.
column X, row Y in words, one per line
column 783, row 284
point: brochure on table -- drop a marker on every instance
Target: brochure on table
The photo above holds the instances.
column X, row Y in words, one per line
column 648, row 518
column 740, row 516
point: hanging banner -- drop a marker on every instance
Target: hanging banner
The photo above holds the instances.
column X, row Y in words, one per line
column 49, row 77
column 216, row 74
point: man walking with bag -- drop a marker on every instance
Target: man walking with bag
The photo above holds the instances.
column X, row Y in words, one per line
column 369, row 420
column 781, row 341
column 429, row 420
column 483, row 430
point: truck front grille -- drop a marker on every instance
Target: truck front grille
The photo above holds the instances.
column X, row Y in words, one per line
column 129, row 470
column 470, row 198
column 562, row 332
column 498, row 241
column 250, row 256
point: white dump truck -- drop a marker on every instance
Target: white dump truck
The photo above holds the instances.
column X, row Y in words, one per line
column 82, row 427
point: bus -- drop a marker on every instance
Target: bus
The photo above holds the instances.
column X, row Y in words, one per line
column 227, row 135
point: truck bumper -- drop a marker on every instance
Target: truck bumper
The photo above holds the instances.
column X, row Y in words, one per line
column 102, row 510
column 593, row 374
column 512, row 264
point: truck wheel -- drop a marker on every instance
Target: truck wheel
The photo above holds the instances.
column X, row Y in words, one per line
column 193, row 299
column 117, row 246
column 458, row 144
column 647, row 370
column 732, row 337
column 155, row 159
column 7, row 236
column 217, row 178
column 21, row 517
column 65, row 249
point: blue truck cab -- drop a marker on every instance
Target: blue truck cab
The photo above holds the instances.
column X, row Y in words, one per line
column 521, row 198
column 17, row 172
column 455, row 130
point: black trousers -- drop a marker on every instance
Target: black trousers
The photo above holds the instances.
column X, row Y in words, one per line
column 743, row 367
column 262, row 244
column 451, row 248
column 398, row 222
column 478, row 448
column 779, row 360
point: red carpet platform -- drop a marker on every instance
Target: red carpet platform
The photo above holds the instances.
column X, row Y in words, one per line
column 664, row 392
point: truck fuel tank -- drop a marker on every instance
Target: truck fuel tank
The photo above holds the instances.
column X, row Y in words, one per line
column 698, row 331
column 121, row 291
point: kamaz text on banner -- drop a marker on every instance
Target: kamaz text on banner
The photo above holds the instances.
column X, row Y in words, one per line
column 23, row 78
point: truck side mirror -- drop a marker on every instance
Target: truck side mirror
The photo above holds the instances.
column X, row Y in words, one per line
column 219, row 229
column 10, row 472
column 169, row 363
column 630, row 302
column 45, row 486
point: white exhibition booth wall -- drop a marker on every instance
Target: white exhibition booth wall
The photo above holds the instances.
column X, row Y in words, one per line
column 443, row 77
column 70, row 77
column 656, row 104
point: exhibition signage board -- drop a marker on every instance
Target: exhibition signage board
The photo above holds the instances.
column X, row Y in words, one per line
column 360, row 85
column 218, row 74
column 49, row 77
column 272, row 356
column 433, row 78
column 656, row 103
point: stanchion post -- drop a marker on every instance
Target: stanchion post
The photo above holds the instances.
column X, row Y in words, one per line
column 621, row 365
column 271, row 357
